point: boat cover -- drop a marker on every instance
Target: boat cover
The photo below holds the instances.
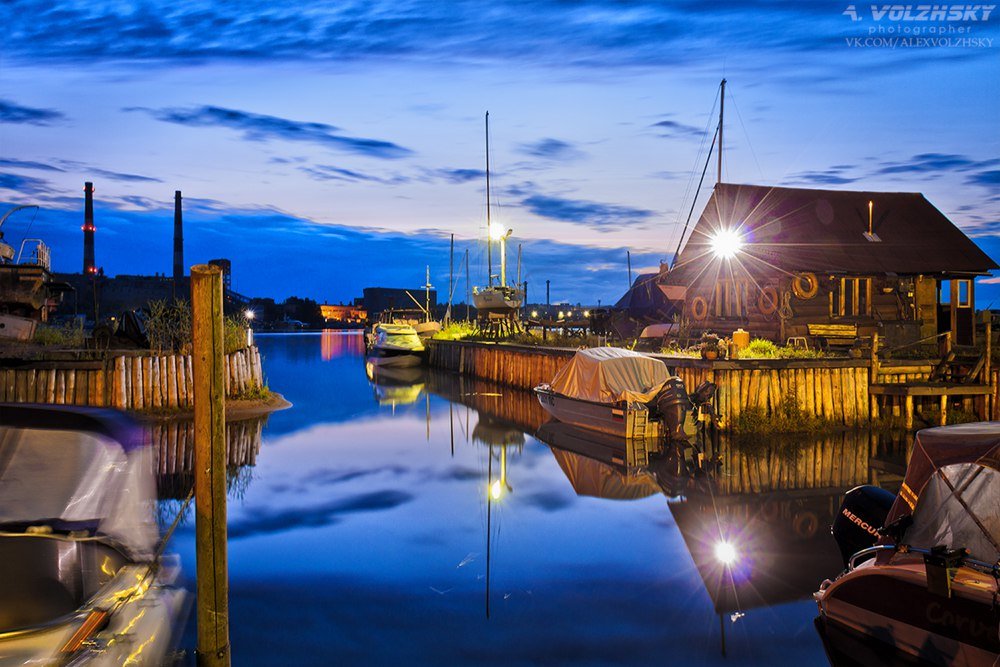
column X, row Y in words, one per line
column 73, row 470
column 610, row 374
column 590, row 477
column 400, row 337
column 952, row 490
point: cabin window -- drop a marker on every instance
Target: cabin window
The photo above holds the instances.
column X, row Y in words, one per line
column 731, row 298
column 944, row 292
column 854, row 297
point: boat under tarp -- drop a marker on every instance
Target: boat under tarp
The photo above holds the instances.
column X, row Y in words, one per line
column 610, row 375
column 606, row 389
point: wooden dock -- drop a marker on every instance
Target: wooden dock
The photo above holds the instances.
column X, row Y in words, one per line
column 883, row 394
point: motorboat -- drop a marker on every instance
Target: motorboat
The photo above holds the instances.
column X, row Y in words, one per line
column 922, row 567
column 394, row 345
column 84, row 581
column 617, row 391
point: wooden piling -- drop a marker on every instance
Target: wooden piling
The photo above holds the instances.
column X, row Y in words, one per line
column 210, row 469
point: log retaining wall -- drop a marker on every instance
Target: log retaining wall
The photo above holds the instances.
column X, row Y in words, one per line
column 835, row 389
column 128, row 382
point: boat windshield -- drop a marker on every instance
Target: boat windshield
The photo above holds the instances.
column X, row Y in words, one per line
column 74, row 480
column 960, row 507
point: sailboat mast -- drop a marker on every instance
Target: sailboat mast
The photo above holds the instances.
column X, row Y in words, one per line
column 489, row 242
column 722, row 106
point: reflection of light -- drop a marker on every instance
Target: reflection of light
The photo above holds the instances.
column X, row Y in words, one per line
column 249, row 314
column 496, row 489
column 725, row 553
column 726, row 243
column 496, row 231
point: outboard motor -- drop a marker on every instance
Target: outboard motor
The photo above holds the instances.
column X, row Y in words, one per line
column 862, row 513
column 673, row 404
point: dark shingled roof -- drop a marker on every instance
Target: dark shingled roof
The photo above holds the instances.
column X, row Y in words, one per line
column 799, row 229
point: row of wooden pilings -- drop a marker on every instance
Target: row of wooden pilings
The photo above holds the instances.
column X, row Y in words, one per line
column 127, row 382
column 834, row 389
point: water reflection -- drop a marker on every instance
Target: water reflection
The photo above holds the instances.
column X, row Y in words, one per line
column 173, row 455
column 384, row 510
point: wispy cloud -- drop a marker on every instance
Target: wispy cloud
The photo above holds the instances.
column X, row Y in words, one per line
column 835, row 175
column 326, row 172
column 933, row 164
column 267, row 521
column 672, row 128
column 599, row 216
column 11, row 112
column 124, row 177
column 28, row 164
column 262, row 127
column 552, row 149
column 24, row 185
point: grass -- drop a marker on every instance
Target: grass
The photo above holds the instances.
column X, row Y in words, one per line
column 455, row 331
column 787, row 417
column 254, row 393
column 67, row 335
column 760, row 348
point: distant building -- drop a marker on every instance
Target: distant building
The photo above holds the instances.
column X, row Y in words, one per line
column 779, row 261
column 344, row 314
column 378, row 300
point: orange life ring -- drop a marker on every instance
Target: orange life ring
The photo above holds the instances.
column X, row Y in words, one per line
column 699, row 308
column 768, row 300
column 805, row 524
column 805, row 285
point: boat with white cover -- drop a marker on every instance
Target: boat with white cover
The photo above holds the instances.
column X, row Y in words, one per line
column 922, row 572
column 611, row 389
column 394, row 345
column 84, row 581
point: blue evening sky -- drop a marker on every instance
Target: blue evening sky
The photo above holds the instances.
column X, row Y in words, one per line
column 324, row 147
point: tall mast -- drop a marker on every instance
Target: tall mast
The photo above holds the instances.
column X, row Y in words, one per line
column 722, row 106
column 489, row 242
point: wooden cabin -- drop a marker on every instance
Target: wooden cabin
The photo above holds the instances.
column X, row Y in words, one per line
column 827, row 266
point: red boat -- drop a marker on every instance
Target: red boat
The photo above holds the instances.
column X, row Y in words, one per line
column 926, row 583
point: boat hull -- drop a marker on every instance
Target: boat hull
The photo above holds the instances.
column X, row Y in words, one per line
column 892, row 603
column 399, row 360
column 618, row 419
column 497, row 301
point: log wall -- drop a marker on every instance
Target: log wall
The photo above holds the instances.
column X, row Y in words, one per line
column 140, row 383
column 831, row 388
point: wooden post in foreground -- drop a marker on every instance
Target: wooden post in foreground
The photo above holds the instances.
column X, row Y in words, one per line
column 210, row 466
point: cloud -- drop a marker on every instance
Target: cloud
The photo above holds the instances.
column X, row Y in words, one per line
column 119, row 176
column 267, row 521
column 673, row 128
column 325, row 172
column 933, row 164
column 11, row 112
column 24, row 185
column 832, row 176
column 547, row 501
column 590, row 33
column 988, row 178
column 597, row 215
column 460, row 175
column 261, row 127
column 27, row 164
column 329, row 477
column 552, row 149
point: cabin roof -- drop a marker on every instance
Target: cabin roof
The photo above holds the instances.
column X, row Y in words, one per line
column 823, row 231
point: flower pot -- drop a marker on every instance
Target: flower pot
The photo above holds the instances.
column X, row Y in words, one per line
column 709, row 354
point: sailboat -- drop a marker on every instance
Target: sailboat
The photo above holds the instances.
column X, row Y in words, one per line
column 496, row 299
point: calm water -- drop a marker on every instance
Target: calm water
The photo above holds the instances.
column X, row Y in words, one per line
column 364, row 533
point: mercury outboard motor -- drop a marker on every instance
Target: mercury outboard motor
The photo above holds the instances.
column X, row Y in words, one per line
column 673, row 404
column 861, row 515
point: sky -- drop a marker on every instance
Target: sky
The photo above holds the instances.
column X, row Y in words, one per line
column 325, row 147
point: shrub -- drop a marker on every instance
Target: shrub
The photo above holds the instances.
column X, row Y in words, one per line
column 168, row 326
column 69, row 334
column 760, row 348
column 455, row 331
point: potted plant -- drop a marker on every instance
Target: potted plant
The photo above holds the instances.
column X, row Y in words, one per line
column 710, row 346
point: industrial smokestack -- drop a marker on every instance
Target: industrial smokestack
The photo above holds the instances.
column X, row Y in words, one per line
column 89, row 266
column 178, row 239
